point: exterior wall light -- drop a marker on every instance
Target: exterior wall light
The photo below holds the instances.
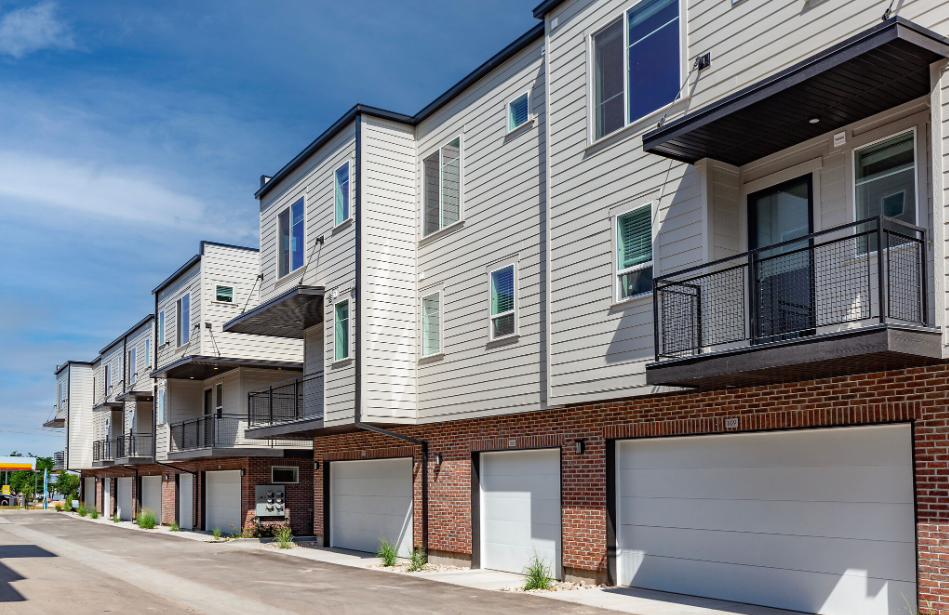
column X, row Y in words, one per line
column 581, row 446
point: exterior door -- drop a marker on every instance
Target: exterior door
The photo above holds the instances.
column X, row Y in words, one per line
column 107, row 496
column 817, row 521
column 89, row 492
column 371, row 500
column 151, row 495
column 124, row 499
column 223, row 501
column 783, row 276
column 186, row 501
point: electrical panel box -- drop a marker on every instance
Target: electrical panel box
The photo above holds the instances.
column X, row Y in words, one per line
column 271, row 501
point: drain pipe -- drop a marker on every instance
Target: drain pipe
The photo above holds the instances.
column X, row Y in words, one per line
column 194, row 504
column 358, row 409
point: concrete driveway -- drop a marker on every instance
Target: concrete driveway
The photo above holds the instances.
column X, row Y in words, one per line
column 52, row 563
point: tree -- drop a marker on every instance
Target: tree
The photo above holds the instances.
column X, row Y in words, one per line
column 26, row 482
column 68, row 485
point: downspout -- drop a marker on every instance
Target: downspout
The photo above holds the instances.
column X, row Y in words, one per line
column 68, row 406
column 358, row 409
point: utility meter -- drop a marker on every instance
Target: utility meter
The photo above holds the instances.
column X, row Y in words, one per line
column 271, row 501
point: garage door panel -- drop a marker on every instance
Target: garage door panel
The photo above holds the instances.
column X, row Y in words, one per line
column 512, row 485
column 833, row 519
column 379, row 505
column 370, row 500
column 535, row 511
column 151, row 494
column 124, row 502
column 223, row 500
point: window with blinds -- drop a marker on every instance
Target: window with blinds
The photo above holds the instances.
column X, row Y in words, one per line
column 342, row 194
column 224, row 294
column 518, row 111
column 442, row 187
column 431, row 324
column 341, row 328
column 503, row 312
column 290, row 238
column 634, row 252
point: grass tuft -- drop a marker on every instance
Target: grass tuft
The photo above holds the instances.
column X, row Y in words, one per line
column 115, row 518
column 418, row 560
column 388, row 553
column 174, row 527
column 926, row 610
column 146, row 519
column 82, row 510
column 94, row 512
column 537, row 574
column 217, row 532
column 284, row 537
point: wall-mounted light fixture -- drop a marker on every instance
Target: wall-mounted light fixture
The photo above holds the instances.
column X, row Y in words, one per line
column 581, row 446
column 438, row 459
column 316, row 464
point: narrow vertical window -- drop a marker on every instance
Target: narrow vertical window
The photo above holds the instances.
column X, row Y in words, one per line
column 634, row 252
column 290, row 238
column 608, row 80
column 59, row 395
column 652, row 56
column 502, row 302
column 219, row 398
column 108, row 379
column 431, row 324
column 885, row 179
column 131, row 366
column 161, row 328
column 160, row 406
column 442, row 187
column 342, row 331
column 148, row 353
column 342, row 194
column 184, row 319
column 518, row 111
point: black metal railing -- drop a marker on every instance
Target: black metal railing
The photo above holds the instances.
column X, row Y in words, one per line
column 833, row 278
column 102, row 450
column 290, row 400
column 59, row 460
column 138, row 445
column 210, row 431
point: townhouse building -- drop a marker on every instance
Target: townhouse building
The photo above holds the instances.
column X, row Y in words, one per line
column 657, row 294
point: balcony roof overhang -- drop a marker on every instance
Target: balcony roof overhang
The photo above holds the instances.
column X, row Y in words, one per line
column 286, row 315
column 195, row 367
column 109, row 405
column 55, row 422
column 242, row 451
column 136, row 395
column 875, row 70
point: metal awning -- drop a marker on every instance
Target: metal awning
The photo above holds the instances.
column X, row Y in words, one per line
column 145, row 395
column 194, row 367
column 876, row 70
column 109, row 405
column 286, row 315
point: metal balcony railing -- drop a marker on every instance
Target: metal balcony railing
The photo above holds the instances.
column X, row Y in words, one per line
column 830, row 280
column 59, row 460
column 290, row 400
column 216, row 431
column 138, row 445
column 104, row 450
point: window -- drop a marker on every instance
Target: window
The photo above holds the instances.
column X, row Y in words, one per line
column 59, row 394
column 184, row 319
column 161, row 328
column 342, row 194
column 634, row 252
column 148, row 353
column 502, row 302
column 518, row 111
column 431, row 324
column 637, row 69
column 342, row 330
column 282, row 475
column 160, row 406
column 131, row 366
column 885, row 179
column 442, row 189
column 108, row 379
column 219, row 398
column 224, row 294
column 291, row 245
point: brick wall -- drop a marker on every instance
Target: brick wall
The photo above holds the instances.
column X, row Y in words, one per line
column 919, row 395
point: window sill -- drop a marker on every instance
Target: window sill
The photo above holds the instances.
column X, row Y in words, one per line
column 342, row 224
column 631, row 301
column 223, row 302
column 501, row 341
column 431, row 358
column 293, row 276
column 638, row 125
column 440, row 232
column 528, row 124
column 340, row 362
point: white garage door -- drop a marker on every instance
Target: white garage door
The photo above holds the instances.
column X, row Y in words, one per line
column 107, row 497
column 520, row 509
column 819, row 521
column 186, row 501
column 223, row 501
column 124, row 499
column 371, row 500
column 89, row 492
column 151, row 494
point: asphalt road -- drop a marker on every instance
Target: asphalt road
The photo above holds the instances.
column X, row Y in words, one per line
column 50, row 563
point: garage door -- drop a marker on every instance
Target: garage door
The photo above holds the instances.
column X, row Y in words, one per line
column 520, row 509
column 124, row 499
column 107, row 496
column 371, row 500
column 223, row 501
column 186, row 501
column 151, row 494
column 819, row 521
column 89, row 492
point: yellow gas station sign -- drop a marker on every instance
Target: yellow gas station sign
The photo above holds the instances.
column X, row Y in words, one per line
column 6, row 490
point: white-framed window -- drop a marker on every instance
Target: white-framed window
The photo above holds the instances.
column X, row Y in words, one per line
column 161, row 328
column 108, row 379
column 341, row 330
column 284, row 475
column 59, row 394
column 183, row 318
column 223, row 293
column 148, row 353
column 160, row 406
column 432, row 324
column 291, row 242
column 518, row 111
column 885, row 178
column 131, row 365
column 633, row 233
column 441, row 194
column 341, row 190
column 219, row 398
column 637, row 65
column 502, row 284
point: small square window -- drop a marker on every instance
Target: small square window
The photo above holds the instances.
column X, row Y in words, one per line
column 284, row 475
column 224, row 294
column 518, row 111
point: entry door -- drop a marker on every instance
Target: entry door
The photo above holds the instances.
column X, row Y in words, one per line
column 107, row 496
column 186, row 501
column 125, row 499
column 784, row 288
column 520, row 509
column 223, row 501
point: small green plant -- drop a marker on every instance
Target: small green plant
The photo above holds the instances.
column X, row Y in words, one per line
column 284, row 536
column 82, row 510
column 146, row 520
column 927, row 610
column 217, row 533
column 174, row 526
column 65, row 506
column 388, row 553
column 115, row 518
column 417, row 561
column 537, row 574
column 94, row 512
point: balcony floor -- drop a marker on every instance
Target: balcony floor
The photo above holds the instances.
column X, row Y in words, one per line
column 867, row 349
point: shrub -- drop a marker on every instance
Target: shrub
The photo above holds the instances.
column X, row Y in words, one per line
column 115, row 518
column 217, row 532
column 65, row 506
column 174, row 527
column 388, row 553
column 417, row 561
column 146, row 520
column 82, row 510
column 926, row 610
column 284, row 536
column 537, row 574
column 94, row 512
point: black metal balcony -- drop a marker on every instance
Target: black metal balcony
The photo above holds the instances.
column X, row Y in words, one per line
column 744, row 320
column 137, row 446
column 105, row 449
column 59, row 460
column 290, row 409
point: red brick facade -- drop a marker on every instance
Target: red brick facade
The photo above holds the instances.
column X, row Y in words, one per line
column 919, row 395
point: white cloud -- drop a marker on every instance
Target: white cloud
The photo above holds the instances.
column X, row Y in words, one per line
column 33, row 28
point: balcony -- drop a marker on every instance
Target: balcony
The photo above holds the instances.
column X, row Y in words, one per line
column 135, row 448
column 291, row 409
column 59, row 461
column 826, row 304
column 105, row 451
column 218, row 435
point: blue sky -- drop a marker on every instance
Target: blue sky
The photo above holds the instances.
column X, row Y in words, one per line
column 130, row 131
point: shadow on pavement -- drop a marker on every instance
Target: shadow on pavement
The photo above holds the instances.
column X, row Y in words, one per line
column 8, row 576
